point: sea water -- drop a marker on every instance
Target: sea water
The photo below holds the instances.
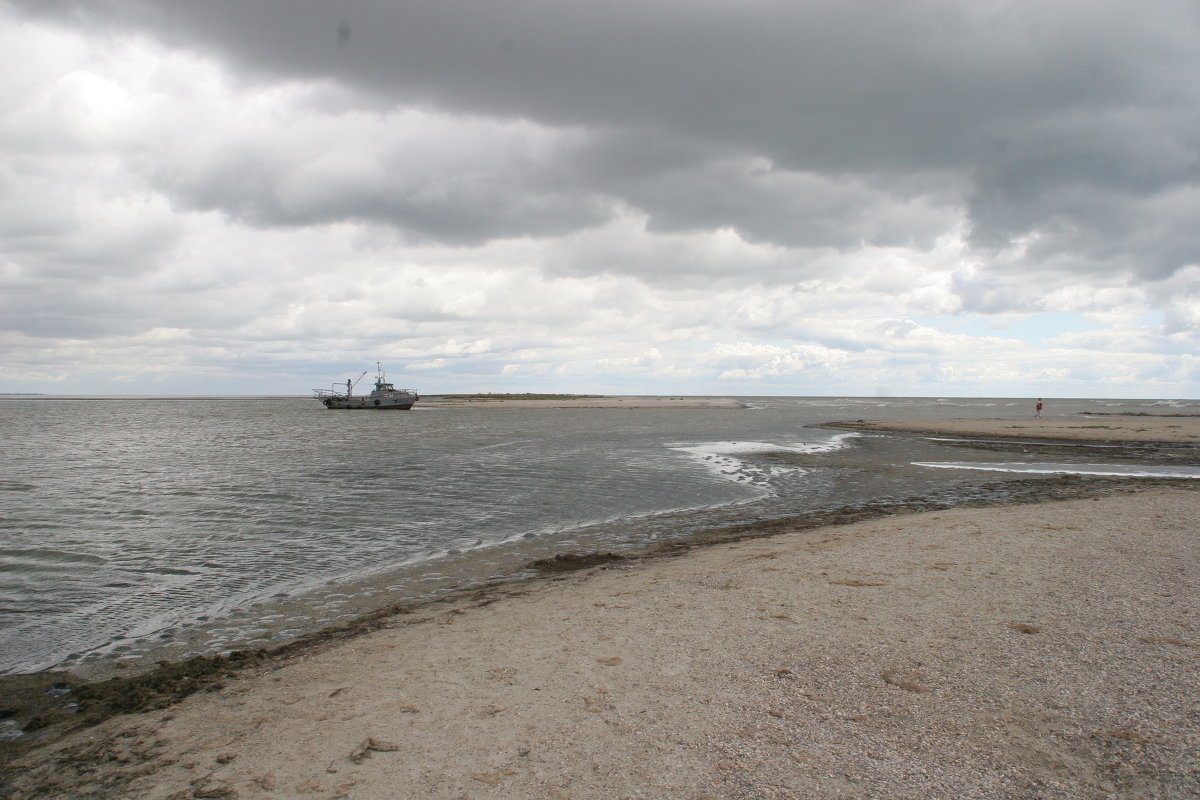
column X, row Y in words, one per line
column 164, row 526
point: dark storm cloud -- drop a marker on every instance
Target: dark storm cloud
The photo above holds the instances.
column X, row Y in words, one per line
column 487, row 185
column 1066, row 127
column 764, row 204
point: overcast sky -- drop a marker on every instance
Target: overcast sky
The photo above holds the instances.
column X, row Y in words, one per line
column 741, row 197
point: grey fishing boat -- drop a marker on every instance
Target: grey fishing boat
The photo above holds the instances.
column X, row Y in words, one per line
column 383, row 396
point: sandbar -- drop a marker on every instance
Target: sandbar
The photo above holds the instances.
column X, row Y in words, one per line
column 510, row 401
column 1116, row 428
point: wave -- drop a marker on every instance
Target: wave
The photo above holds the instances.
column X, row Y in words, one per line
column 728, row 460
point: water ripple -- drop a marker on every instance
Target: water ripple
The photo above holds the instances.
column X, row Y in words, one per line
column 134, row 524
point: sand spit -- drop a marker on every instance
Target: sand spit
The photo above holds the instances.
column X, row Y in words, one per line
column 584, row 402
column 1033, row 651
column 1114, row 428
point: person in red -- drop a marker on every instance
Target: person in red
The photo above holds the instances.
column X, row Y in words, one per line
column 1039, row 408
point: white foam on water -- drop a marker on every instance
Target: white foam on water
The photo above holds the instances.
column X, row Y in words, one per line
column 726, row 460
column 1111, row 470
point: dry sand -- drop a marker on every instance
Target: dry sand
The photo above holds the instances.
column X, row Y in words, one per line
column 1038, row 651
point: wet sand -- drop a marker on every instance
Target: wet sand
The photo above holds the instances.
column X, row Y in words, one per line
column 1115, row 428
column 1045, row 650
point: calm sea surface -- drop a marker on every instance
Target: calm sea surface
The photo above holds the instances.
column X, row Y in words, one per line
column 178, row 526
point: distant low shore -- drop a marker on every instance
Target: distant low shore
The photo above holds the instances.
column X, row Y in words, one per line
column 1115, row 428
column 575, row 401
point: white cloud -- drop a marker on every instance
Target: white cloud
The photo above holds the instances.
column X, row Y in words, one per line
column 779, row 199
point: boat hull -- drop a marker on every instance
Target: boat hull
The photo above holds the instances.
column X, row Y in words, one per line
column 371, row 403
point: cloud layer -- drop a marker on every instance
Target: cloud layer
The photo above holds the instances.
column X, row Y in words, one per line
column 816, row 198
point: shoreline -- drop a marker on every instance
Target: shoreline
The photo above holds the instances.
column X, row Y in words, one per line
column 1102, row 428
column 123, row 687
column 378, row 644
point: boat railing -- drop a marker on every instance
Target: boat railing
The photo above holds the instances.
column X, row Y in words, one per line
column 321, row 394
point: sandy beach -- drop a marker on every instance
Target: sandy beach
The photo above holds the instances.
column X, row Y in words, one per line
column 1027, row 651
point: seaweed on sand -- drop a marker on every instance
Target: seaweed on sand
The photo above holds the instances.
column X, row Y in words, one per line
column 45, row 704
column 569, row 562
